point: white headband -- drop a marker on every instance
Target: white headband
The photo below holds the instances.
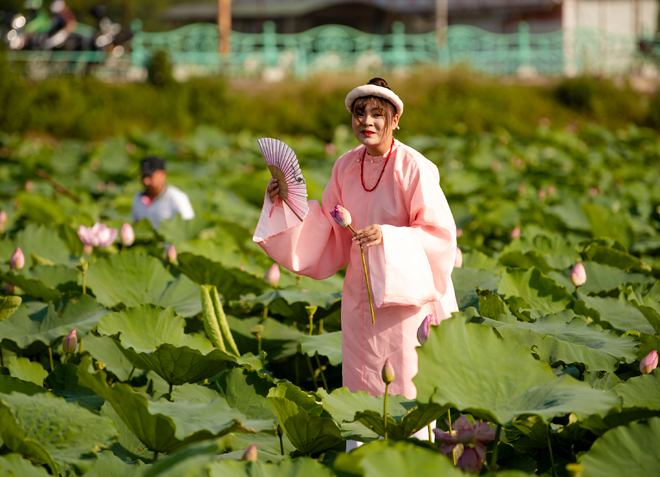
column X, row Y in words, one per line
column 374, row 90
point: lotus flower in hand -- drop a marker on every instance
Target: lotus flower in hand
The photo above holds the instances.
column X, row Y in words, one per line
column 99, row 235
column 341, row 216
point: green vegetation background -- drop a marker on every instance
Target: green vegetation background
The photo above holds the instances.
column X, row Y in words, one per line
column 437, row 103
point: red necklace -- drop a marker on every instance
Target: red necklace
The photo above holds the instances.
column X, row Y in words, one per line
column 364, row 155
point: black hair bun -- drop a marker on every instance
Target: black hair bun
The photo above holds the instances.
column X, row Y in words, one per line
column 379, row 82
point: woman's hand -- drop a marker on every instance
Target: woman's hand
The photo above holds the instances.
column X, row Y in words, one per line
column 369, row 236
column 273, row 190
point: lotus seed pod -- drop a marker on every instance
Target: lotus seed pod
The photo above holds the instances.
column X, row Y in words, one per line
column 17, row 260
column 70, row 342
column 251, row 453
column 388, row 372
column 273, row 275
column 341, row 216
column 649, row 362
column 578, row 275
column 127, row 235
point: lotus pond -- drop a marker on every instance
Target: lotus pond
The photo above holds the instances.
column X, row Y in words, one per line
column 182, row 365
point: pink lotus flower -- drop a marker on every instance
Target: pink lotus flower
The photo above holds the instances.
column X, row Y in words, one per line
column 458, row 261
column 388, row 372
column 127, row 235
column 273, row 275
column 425, row 328
column 470, row 461
column 17, row 260
column 649, row 362
column 578, row 275
column 171, row 254
column 70, row 342
column 341, row 216
column 3, row 220
column 250, row 454
column 515, row 233
column 476, row 434
column 99, row 235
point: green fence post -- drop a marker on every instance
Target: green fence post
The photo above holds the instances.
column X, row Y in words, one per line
column 524, row 48
column 398, row 44
column 270, row 43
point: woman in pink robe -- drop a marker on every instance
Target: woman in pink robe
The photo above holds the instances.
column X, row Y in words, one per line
column 410, row 237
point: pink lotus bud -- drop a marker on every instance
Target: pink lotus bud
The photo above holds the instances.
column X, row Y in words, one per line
column 251, row 453
column 542, row 194
column 171, row 254
column 273, row 275
column 458, row 261
column 88, row 249
column 29, row 185
column 388, row 372
column 552, row 190
column 17, row 260
column 70, row 342
column 3, row 220
column 593, row 191
column 515, row 233
column 578, row 275
column 470, row 461
column 99, row 235
column 459, row 232
column 127, row 235
column 425, row 328
column 341, row 216
column 649, row 362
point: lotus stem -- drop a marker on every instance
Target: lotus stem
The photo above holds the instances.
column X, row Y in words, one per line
column 265, row 312
column 311, row 325
column 259, row 344
column 50, row 356
column 2, row 359
column 493, row 458
column 298, row 277
column 387, row 388
column 552, row 458
column 321, row 326
column 311, row 371
column 295, row 366
column 66, row 358
column 430, row 432
column 171, row 389
column 155, row 459
column 130, row 375
column 84, row 283
column 80, row 346
column 453, row 451
column 366, row 277
column 325, row 383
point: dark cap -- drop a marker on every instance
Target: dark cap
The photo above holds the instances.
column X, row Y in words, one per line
column 151, row 164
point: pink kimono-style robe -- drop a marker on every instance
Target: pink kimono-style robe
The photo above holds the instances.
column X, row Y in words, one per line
column 409, row 272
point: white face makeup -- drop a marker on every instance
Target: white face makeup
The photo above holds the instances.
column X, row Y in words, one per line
column 371, row 129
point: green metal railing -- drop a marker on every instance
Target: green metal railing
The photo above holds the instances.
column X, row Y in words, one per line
column 194, row 51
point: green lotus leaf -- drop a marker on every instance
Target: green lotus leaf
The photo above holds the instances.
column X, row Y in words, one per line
column 300, row 417
column 177, row 229
column 163, row 426
column 48, row 323
column 9, row 384
column 466, row 366
column 291, row 303
column 104, row 350
column 45, row 282
column 566, row 338
column 614, row 258
column 26, row 370
column 327, row 344
column 192, row 461
column 135, row 279
column 246, row 391
column 606, row 224
column 405, row 417
column 617, row 313
column 301, row 467
column 63, row 382
column 555, row 251
column 9, row 305
column 491, row 305
column 230, row 282
column 277, row 340
column 13, row 465
column 390, row 457
column 518, row 259
column 600, row 277
column 127, row 447
column 641, row 391
column 39, row 240
column 629, row 450
column 47, row 428
column 109, row 465
column 467, row 280
column 538, row 291
column 153, row 338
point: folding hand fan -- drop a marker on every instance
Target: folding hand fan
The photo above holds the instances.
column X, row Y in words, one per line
column 285, row 169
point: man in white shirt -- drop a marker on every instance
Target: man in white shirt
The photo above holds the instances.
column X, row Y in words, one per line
column 159, row 201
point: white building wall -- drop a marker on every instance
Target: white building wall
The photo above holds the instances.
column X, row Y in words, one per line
column 600, row 36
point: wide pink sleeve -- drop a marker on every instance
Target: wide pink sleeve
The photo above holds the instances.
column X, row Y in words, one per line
column 413, row 264
column 317, row 247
